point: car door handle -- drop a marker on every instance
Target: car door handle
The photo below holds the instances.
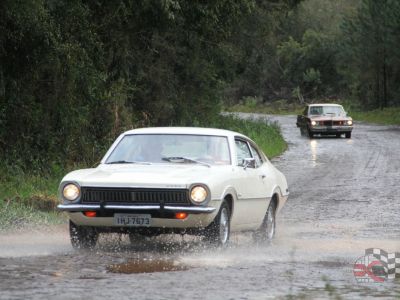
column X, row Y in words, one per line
column 263, row 176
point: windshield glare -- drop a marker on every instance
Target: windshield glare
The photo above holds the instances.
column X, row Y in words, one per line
column 327, row 110
column 157, row 148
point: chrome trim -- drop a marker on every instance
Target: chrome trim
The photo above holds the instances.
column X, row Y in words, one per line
column 195, row 209
column 188, row 209
column 335, row 127
column 132, row 207
column 78, row 207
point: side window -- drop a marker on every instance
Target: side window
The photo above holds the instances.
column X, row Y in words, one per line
column 256, row 156
column 242, row 151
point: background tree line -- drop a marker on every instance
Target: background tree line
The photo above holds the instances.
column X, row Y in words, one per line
column 74, row 74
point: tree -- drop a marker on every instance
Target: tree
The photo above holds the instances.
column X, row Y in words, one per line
column 370, row 55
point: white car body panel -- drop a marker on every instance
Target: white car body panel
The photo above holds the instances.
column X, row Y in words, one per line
column 250, row 189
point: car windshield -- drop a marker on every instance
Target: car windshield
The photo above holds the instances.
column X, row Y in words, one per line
column 327, row 110
column 171, row 148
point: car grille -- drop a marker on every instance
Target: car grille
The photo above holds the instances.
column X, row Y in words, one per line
column 332, row 123
column 135, row 196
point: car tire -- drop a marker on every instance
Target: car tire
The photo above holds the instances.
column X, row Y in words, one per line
column 348, row 135
column 310, row 133
column 218, row 232
column 338, row 135
column 266, row 232
column 82, row 237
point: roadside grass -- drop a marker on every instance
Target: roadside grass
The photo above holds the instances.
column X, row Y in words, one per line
column 17, row 215
column 279, row 107
column 386, row 116
column 29, row 198
column 266, row 134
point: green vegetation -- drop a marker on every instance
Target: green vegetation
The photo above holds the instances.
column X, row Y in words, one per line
column 266, row 135
column 280, row 107
column 74, row 74
column 17, row 215
column 28, row 199
column 387, row 116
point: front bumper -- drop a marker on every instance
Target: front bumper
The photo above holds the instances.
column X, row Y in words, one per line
column 192, row 221
column 97, row 207
column 197, row 216
column 331, row 129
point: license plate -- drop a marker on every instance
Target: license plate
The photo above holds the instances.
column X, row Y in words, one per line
column 132, row 220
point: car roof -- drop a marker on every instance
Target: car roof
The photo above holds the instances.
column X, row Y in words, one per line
column 325, row 104
column 184, row 130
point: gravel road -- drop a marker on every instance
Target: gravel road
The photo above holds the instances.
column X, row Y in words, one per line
column 344, row 199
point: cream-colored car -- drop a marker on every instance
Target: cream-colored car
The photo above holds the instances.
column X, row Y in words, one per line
column 175, row 180
column 325, row 119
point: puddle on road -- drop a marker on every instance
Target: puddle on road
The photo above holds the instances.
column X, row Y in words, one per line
column 146, row 266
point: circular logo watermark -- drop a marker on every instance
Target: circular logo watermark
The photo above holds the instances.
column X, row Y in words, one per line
column 369, row 269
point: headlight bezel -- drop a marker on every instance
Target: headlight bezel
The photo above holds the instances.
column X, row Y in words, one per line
column 64, row 185
column 204, row 188
column 314, row 123
column 349, row 122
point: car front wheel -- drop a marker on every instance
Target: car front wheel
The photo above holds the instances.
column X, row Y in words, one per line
column 218, row 231
column 310, row 133
column 348, row 135
column 82, row 237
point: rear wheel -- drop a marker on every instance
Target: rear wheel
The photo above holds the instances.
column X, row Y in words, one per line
column 266, row 232
column 348, row 135
column 218, row 231
column 82, row 237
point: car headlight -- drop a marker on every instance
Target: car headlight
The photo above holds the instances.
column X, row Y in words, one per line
column 349, row 122
column 71, row 192
column 198, row 194
column 313, row 123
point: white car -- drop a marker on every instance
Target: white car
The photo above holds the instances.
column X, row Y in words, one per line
column 175, row 180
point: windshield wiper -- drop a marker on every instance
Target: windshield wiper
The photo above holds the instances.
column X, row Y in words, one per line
column 128, row 162
column 178, row 159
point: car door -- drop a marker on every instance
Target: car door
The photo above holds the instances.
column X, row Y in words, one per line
column 302, row 119
column 251, row 190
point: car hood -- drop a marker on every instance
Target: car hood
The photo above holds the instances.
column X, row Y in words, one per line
column 148, row 176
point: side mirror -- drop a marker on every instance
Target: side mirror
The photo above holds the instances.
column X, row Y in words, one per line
column 249, row 163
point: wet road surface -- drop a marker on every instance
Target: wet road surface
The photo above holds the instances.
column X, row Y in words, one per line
column 344, row 199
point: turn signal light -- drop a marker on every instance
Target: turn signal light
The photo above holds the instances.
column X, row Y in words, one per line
column 90, row 214
column 181, row 215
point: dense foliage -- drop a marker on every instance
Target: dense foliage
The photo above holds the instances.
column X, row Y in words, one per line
column 371, row 56
column 74, row 74
column 321, row 49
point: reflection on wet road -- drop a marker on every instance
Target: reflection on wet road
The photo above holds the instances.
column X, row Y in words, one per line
column 344, row 198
